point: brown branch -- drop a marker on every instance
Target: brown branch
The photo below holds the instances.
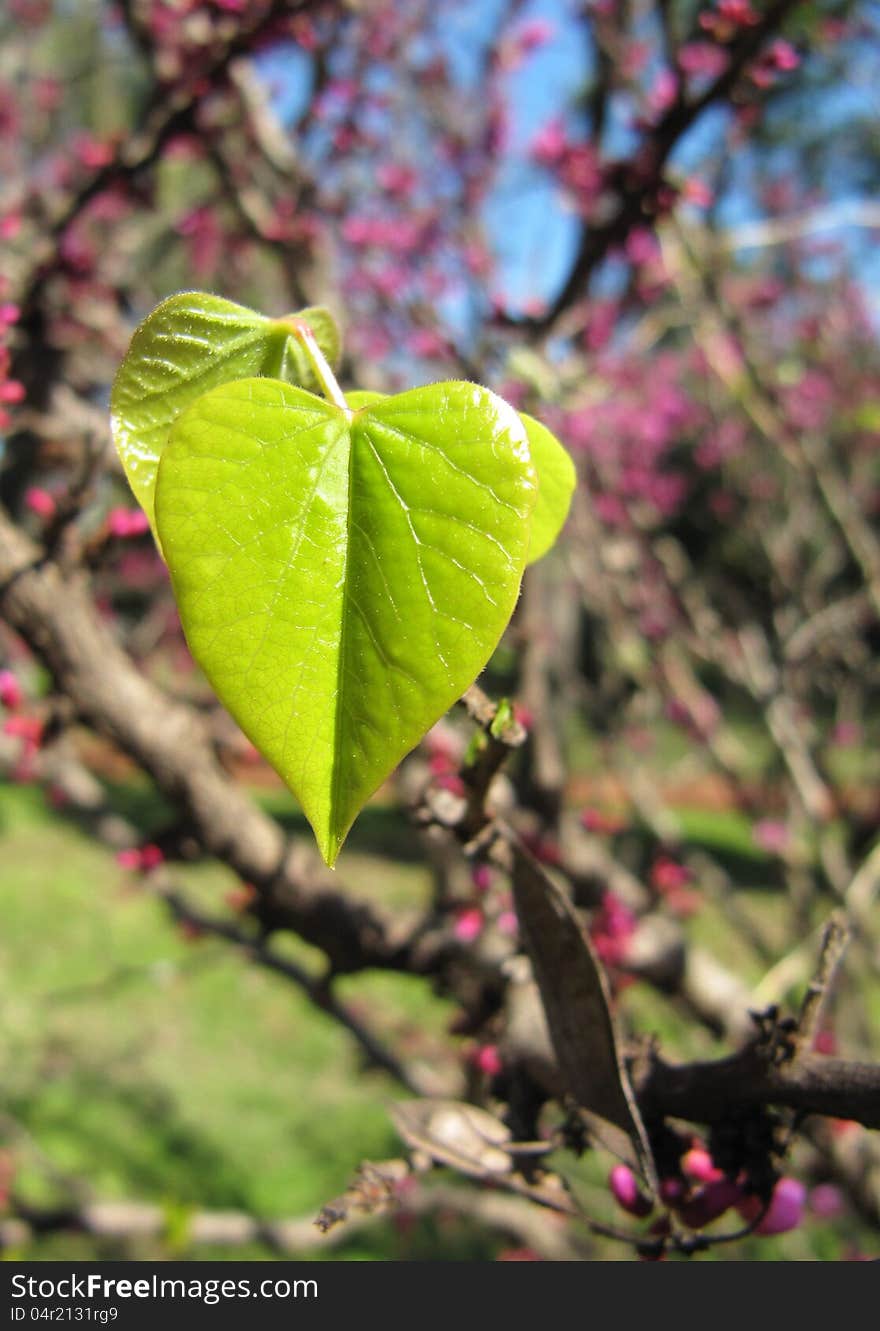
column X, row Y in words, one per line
column 131, row 1222
column 713, row 1091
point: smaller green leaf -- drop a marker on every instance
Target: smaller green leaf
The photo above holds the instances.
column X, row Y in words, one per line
column 297, row 368
column 556, row 482
column 503, row 719
column 362, row 397
column 191, row 343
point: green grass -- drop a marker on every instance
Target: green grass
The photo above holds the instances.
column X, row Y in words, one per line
column 169, row 1070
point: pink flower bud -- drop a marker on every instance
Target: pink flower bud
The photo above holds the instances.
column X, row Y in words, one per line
column 698, row 1164
column 487, row 1058
column 626, row 1192
column 12, row 391
column 710, row 1203
column 151, row 857
column 771, row 835
column 667, row 874
column 123, row 522
column 40, row 501
column 468, row 924
column 549, row 144
column 10, row 225
column 129, row 858
column 826, row 1201
column 786, row 1209
column 481, row 876
column 11, row 693
column 507, row 923
column 29, row 729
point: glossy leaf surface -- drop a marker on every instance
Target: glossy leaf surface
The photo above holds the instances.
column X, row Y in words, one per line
column 555, row 472
column 342, row 578
column 188, row 345
column 556, row 482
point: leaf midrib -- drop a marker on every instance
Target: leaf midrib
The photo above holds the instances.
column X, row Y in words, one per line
column 339, row 713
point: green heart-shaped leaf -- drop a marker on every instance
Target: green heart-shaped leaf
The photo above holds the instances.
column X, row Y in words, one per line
column 342, row 578
column 189, row 344
column 556, row 482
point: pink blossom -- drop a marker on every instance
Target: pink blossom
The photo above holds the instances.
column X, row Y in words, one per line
column 602, row 822
column 610, row 510
column 846, row 733
column 703, row 59
column 11, row 692
column 305, row 34
column 783, row 55
column 468, row 924
column 626, row 1192
column 507, row 923
column 77, row 252
column 549, row 144
column 40, row 501
column 771, row 835
column 600, row 324
column 534, row 33
column 667, row 874
column 544, row 848
column 697, row 192
column 487, row 1059
column 9, row 314
column 396, row 178
column 10, row 226
column 612, row 928
column 92, row 152
column 698, row 1164
column 825, row 1041
column 481, row 877
column 202, row 230
column 12, row 391
column 29, row 729
column 151, row 857
column 786, row 1209
column 738, row 11
column 129, row 859
column 779, row 58
column 826, row 1201
column 581, row 171
column 663, row 92
column 730, row 15
column 426, row 342
column 123, row 522
column 641, row 245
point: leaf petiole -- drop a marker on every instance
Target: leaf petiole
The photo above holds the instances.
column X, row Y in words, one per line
column 299, row 329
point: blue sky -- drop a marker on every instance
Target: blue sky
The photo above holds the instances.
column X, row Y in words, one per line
column 532, row 231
